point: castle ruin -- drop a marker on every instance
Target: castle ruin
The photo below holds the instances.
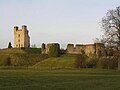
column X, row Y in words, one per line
column 89, row 49
column 97, row 49
column 46, row 50
column 21, row 37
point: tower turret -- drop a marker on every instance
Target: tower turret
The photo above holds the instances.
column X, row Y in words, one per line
column 24, row 27
column 15, row 28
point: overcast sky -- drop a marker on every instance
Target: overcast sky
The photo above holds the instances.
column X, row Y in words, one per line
column 62, row 21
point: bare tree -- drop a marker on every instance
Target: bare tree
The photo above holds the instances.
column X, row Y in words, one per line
column 111, row 27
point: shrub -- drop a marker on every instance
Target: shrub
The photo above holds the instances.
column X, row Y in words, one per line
column 108, row 63
column 92, row 62
column 80, row 61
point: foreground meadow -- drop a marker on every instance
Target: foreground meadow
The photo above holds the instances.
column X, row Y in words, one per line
column 82, row 79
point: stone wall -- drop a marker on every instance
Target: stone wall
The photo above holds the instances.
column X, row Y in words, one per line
column 97, row 49
column 89, row 49
column 47, row 47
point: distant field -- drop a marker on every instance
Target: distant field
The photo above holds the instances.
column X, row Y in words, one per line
column 83, row 79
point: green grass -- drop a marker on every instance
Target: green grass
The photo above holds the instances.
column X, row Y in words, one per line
column 19, row 51
column 31, row 57
column 57, row 73
column 21, row 57
column 63, row 62
column 83, row 79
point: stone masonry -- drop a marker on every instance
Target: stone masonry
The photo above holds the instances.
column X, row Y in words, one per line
column 89, row 49
column 21, row 37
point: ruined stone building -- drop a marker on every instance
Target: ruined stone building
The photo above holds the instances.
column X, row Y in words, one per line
column 88, row 49
column 97, row 49
column 21, row 37
column 46, row 50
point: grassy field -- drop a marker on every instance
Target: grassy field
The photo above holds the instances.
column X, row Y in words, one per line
column 34, row 71
column 82, row 79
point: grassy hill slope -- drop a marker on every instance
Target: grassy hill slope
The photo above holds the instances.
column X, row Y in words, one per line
column 31, row 57
column 63, row 62
column 21, row 57
column 17, row 50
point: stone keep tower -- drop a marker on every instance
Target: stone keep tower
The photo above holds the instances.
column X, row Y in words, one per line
column 21, row 37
